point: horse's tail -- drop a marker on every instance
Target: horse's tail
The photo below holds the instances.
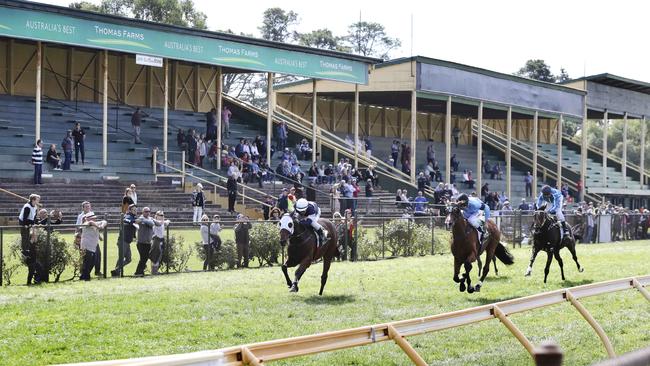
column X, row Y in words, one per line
column 504, row 255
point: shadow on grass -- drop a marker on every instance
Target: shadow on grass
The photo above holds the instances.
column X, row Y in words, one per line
column 488, row 300
column 570, row 283
column 329, row 299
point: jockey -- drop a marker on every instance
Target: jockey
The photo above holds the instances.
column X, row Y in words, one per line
column 308, row 215
column 472, row 208
column 555, row 198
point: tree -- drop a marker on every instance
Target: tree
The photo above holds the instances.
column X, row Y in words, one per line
column 321, row 38
column 175, row 12
column 370, row 39
column 276, row 24
column 539, row 70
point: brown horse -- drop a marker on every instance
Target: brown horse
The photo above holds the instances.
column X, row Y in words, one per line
column 465, row 248
column 302, row 250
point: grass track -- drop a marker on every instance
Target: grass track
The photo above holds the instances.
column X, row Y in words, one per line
column 133, row 317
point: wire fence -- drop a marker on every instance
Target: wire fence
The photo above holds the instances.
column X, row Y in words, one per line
column 51, row 252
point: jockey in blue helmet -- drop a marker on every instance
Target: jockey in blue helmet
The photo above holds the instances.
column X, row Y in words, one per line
column 553, row 200
column 472, row 208
column 308, row 215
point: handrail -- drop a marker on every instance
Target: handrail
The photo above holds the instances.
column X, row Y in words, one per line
column 218, row 176
column 599, row 150
column 397, row 331
column 525, row 159
column 13, row 194
column 215, row 185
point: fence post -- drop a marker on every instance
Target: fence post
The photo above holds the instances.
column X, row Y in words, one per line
column 166, row 248
column 1, row 254
column 433, row 238
column 105, row 259
column 353, row 252
column 346, row 232
column 183, row 169
column 548, row 354
column 383, row 237
column 154, row 157
column 408, row 235
column 120, row 250
column 48, row 252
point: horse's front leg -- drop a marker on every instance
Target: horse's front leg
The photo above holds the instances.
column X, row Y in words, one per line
column 496, row 270
column 323, row 277
column 457, row 264
column 468, row 269
column 286, row 274
column 556, row 254
column 572, row 249
column 549, row 258
column 529, row 270
column 299, row 272
column 480, row 264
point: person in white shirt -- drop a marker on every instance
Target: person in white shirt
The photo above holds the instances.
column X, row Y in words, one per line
column 90, row 232
column 205, row 240
column 86, row 208
column 134, row 194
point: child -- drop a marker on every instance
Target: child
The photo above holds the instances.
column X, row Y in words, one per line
column 205, row 239
column 155, row 255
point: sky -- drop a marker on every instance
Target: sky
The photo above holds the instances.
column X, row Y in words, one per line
column 584, row 37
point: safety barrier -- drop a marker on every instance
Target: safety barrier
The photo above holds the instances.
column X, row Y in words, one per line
column 260, row 353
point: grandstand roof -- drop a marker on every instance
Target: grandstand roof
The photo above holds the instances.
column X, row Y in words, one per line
column 293, row 57
column 616, row 81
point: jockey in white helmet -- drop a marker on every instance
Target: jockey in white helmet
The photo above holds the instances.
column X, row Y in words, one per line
column 308, row 214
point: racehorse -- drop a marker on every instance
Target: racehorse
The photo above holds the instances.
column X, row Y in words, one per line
column 547, row 237
column 465, row 248
column 302, row 250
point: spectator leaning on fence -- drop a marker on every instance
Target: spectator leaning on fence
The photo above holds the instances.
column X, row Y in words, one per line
column 86, row 208
column 37, row 161
column 126, row 236
column 145, row 234
column 204, row 230
column 90, row 232
column 26, row 219
column 242, row 239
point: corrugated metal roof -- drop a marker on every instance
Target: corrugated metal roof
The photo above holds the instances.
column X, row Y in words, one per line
column 617, row 81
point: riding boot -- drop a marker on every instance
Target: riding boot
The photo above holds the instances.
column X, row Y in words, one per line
column 321, row 237
column 565, row 228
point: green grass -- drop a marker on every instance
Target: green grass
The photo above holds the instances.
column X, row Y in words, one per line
column 132, row 317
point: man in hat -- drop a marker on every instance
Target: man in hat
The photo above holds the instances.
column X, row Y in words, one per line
column 26, row 220
column 86, row 208
column 242, row 239
column 145, row 234
column 523, row 206
column 126, row 236
column 90, row 231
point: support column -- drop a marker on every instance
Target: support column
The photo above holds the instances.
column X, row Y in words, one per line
column 535, row 133
column 356, row 124
column 479, row 149
column 39, row 66
column 624, row 157
column 508, row 154
column 447, row 141
column 218, row 116
column 583, row 151
column 166, row 111
column 642, row 157
column 414, row 133
column 105, row 111
column 605, row 126
column 270, row 100
column 560, row 122
column 314, row 119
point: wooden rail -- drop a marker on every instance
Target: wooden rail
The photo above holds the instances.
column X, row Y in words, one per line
column 260, row 353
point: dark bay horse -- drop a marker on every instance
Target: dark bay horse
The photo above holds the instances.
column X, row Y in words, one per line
column 465, row 248
column 546, row 237
column 302, row 250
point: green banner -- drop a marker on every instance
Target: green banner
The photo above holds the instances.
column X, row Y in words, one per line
column 37, row 25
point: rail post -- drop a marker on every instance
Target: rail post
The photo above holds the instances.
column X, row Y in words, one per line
column 166, row 247
column 548, row 354
column 355, row 247
column 346, row 232
column 383, row 237
column 433, row 238
column 48, row 252
column 183, row 169
column 405, row 346
column 594, row 324
column 498, row 313
column 1, row 255
column 105, row 258
column 154, row 157
column 120, row 251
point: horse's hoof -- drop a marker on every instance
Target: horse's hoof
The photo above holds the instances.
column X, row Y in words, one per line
column 477, row 288
column 294, row 288
column 462, row 287
column 581, row 270
column 456, row 279
column 470, row 290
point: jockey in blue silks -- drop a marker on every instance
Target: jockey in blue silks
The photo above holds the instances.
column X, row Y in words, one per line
column 308, row 215
column 472, row 208
column 552, row 198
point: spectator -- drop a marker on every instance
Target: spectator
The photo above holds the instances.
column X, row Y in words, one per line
column 242, row 239
column 79, row 136
column 313, row 172
column 282, row 136
column 26, row 220
column 406, row 159
column 86, row 208
column 37, row 161
column 215, row 230
column 266, row 207
column 181, row 139
column 203, row 150
column 231, row 186
column 66, row 145
column 321, row 175
column 496, row 172
column 487, row 168
column 225, row 121
column 53, row 158
column 468, row 179
column 394, row 152
column 589, row 227
column 124, row 239
column 422, row 182
column 198, row 203
column 456, row 135
column 211, row 124
column 134, row 194
column 283, row 203
column 310, row 192
column 205, row 240
column 420, row 204
column 136, row 121
column 89, row 243
column 145, row 234
column 158, row 245
column 368, row 145
column 355, row 195
column 369, row 191
column 523, row 206
column 398, row 197
column 192, row 146
column 127, row 200
column 506, row 206
column 305, row 149
column 233, row 170
column 528, row 181
column 485, row 191
column 213, row 155
column 455, row 164
column 431, row 154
